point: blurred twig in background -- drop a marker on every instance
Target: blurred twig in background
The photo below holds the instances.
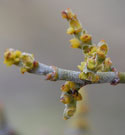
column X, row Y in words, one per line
column 4, row 127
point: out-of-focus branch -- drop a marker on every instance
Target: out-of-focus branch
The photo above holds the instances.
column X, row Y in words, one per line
column 4, row 127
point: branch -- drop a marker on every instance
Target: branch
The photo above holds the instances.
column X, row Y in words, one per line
column 27, row 63
column 69, row 75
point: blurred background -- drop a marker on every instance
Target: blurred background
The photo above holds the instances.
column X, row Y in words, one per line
column 32, row 104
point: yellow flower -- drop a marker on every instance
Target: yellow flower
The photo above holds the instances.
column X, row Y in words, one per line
column 102, row 49
column 75, row 43
column 86, row 38
column 68, row 14
column 82, row 66
column 72, row 85
column 78, row 97
column 83, row 76
column 70, row 30
column 91, row 64
column 17, row 55
column 65, row 87
column 75, row 24
column 65, row 99
column 27, row 62
column 89, row 76
column 107, row 64
column 12, row 57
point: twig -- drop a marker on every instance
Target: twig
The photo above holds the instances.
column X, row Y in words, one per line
column 69, row 75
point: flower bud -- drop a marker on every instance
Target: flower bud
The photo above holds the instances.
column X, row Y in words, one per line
column 75, row 43
column 12, row 57
column 65, row 98
column 91, row 63
column 107, row 64
column 86, row 38
column 69, row 110
column 82, row 66
column 70, row 30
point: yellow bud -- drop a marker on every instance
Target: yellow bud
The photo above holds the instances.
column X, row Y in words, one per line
column 107, row 64
column 75, row 24
column 23, row 70
column 72, row 85
column 17, row 54
column 83, row 76
column 70, row 30
column 95, row 78
column 91, row 64
column 93, row 49
column 78, row 97
column 12, row 57
column 70, row 112
column 66, row 99
column 27, row 61
column 86, row 38
column 65, row 87
column 102, row 47
column 101, row 54
column 67, row 14
column 82, row 66
column 75, row 43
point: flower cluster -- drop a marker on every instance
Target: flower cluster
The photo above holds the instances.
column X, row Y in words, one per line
column 25, row 60
column 81, row 37
column 70, row 95
column 95, row 60
column 95, row 55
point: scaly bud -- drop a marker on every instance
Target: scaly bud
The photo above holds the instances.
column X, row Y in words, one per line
column 86, row 38
column 70, row 30
column 75, row 43
column 69, row 110
column 12, row 57
column 102, row 49
column 91, row 63
column 65, row 98
column 82, row 66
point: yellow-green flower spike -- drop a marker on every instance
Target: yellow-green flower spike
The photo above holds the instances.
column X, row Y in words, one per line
column 12, row 57
column 25, row 60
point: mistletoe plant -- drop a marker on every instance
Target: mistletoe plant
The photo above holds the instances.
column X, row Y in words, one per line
column 95, row 68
